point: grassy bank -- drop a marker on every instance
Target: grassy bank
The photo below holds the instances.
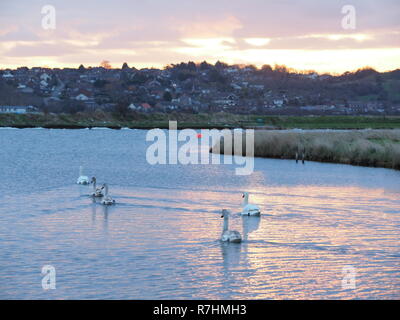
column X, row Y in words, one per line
column 217, row 120
column 375, row 148
column 109, row 120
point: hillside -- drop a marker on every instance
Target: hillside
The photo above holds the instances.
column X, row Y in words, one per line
column 203, row 88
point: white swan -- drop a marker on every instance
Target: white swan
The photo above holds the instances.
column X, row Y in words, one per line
column 97, row 192
column 107, row 200
column 228, row 235
column 82, row 179
column 249, row 209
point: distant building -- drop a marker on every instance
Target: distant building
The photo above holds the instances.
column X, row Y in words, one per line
column 143, row 107
column 18, row 109
column 133, row 107
column 278, row 102
column 8, row 75
column 257, row 86
column 45, row 77
column 146, row 107
column 81, row 97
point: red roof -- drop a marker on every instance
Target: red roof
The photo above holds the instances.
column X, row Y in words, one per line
column 146, row 105
column 85, row 92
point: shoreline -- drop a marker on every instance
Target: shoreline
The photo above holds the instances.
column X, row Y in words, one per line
column 197, row 121
column 56, row 127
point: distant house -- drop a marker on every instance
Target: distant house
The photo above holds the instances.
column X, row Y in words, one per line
column 154, row 84
column 229, row 101
column 231, row 70
column 257, row 86
column 8, row 75
column 81, row 97
column 184, row 100
column 43, row 84
column 84, row 95
column 45, row 77
column 132, row 106
column 18, row 109
column 144, row 107
column 312, row 75
column 278, row 102
column 318, row 108
column 24, row 89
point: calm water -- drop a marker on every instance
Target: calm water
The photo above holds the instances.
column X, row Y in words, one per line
column 161, row 239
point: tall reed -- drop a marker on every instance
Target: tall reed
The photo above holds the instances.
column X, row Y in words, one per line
column 376, row 148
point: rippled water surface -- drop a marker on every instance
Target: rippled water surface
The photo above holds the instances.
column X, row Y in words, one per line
column 160, row 241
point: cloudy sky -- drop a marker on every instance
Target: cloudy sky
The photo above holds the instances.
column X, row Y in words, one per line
column 302, row 34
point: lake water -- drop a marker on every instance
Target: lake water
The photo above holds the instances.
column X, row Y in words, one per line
column 160, row 241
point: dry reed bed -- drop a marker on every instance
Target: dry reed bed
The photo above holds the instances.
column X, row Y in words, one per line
column 375, row 148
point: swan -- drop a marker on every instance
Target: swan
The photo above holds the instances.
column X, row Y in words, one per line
column 249, row 209
column 228, row 235
column 97, row 192
column 82, row 179
column 107, row 200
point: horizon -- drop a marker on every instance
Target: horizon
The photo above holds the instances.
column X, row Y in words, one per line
column 241, row 66
column 303, row 35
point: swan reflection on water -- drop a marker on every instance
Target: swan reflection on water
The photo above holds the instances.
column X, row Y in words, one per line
column 104, row 210
column 231, row 255
column 250, row 224
column 236, row 254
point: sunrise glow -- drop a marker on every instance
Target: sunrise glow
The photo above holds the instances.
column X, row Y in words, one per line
column 307, row 37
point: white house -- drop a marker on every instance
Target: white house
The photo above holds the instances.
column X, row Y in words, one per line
column 8, row 75
column 236, row 87
column 133, row 107
column 23, row 88
column 278, row 102
column 81, row 97
column 45, row 77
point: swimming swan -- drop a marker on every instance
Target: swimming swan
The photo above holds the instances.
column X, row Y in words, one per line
column 97, row 192
column 82, row 179
column 107, row 200
column 249, row 209
column 228, row 235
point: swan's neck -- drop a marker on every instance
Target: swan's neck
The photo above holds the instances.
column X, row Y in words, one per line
column 246, row 200
column 94, row 185
column 80, row 171
column 226, row 224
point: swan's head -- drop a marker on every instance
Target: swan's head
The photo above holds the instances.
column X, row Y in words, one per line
column 225, row 213
column 93, row 180
column 245, row 195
